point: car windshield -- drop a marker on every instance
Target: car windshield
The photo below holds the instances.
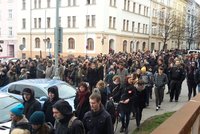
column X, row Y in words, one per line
column 6, row 104
column 66, row 91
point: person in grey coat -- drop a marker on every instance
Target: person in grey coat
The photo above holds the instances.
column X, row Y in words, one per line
column 160, row 79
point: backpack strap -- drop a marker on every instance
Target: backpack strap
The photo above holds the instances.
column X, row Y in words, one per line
column 71, row 121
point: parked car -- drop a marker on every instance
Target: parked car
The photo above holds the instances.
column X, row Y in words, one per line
column 193, row 51
column 7, row 102
column 40, row 87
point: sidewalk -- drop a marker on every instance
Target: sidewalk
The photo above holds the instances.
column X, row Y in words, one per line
column 165, row 107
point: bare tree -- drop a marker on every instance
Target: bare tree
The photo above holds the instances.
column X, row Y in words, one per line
column 179, row 30
column 168, row 29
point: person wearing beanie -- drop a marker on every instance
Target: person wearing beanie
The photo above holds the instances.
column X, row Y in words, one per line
column 66, row 122
column 37, row 121
column 17, row 116
column 30, row 103
column 53, row 97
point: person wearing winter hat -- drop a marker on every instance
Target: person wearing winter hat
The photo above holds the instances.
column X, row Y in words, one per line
column 66, row 122
column 53, row 97
column 30, row 103
column 37, row 121
column 17, row 116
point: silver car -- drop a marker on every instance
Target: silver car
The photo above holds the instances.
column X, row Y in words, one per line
column 7, row 102
column 40, row 87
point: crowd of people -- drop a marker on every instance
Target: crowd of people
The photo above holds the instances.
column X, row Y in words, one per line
column 129, row 79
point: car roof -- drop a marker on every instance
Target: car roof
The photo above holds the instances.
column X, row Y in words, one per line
column 39, row 82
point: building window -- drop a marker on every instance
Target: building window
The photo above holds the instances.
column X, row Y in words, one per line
column 35, row 3
column 124, row 46
column 10, row 32
column 125, row 4
column 139, row 9
column 69, row 21
column 138, row 27
column 37, row 42
column 114, row 22
column 128, row 6
column 23, row 23
column 144, row 11
column 71, row 43
column 93, row 20
column 23, row 4
column 24, row 42
column 39, row 22
column 35, row 22
column 59, row 3
column 90, row 44
column 48, row 22
column 124, row 23
column 10, row 14
column 133, row 26
column 89, row 2
column 143, row 29
column 133, row 7
column 73, row 21
column 48, row 3
column 87, row 20
column 39, row 3
column 69, row 2
column 127, row 25
column 110, row 21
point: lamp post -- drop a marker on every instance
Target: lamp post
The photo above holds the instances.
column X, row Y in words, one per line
column 56, row 76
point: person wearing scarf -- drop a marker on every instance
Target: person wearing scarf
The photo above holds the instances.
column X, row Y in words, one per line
column 81, row 101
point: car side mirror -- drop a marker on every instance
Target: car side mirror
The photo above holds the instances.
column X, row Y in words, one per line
column 43, row 98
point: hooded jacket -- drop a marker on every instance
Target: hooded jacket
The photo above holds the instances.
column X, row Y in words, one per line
column 61, row 126
column 47, row 107
column 31, row 105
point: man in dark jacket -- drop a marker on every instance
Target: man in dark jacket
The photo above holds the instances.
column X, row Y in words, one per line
column 66, row 122
column 177, row 75
column 97, row 120
column 47, row 107
column 30, row 103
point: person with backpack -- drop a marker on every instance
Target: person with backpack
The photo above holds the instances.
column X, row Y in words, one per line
column 66, row 122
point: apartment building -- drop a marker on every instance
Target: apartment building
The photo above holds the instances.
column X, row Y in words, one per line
column 8, row 28
column 89, row 27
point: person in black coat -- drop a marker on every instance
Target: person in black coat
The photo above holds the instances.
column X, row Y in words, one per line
column 97, row 120
column 92, row 76
column 47, row 107
column 66, row 122
column 32, row 70
column 139, row 101
column 30, row 103
column 126, row 103
column 115, row 89
column 81, row 101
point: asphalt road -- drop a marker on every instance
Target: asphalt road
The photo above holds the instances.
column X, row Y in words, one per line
column 165, row 107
